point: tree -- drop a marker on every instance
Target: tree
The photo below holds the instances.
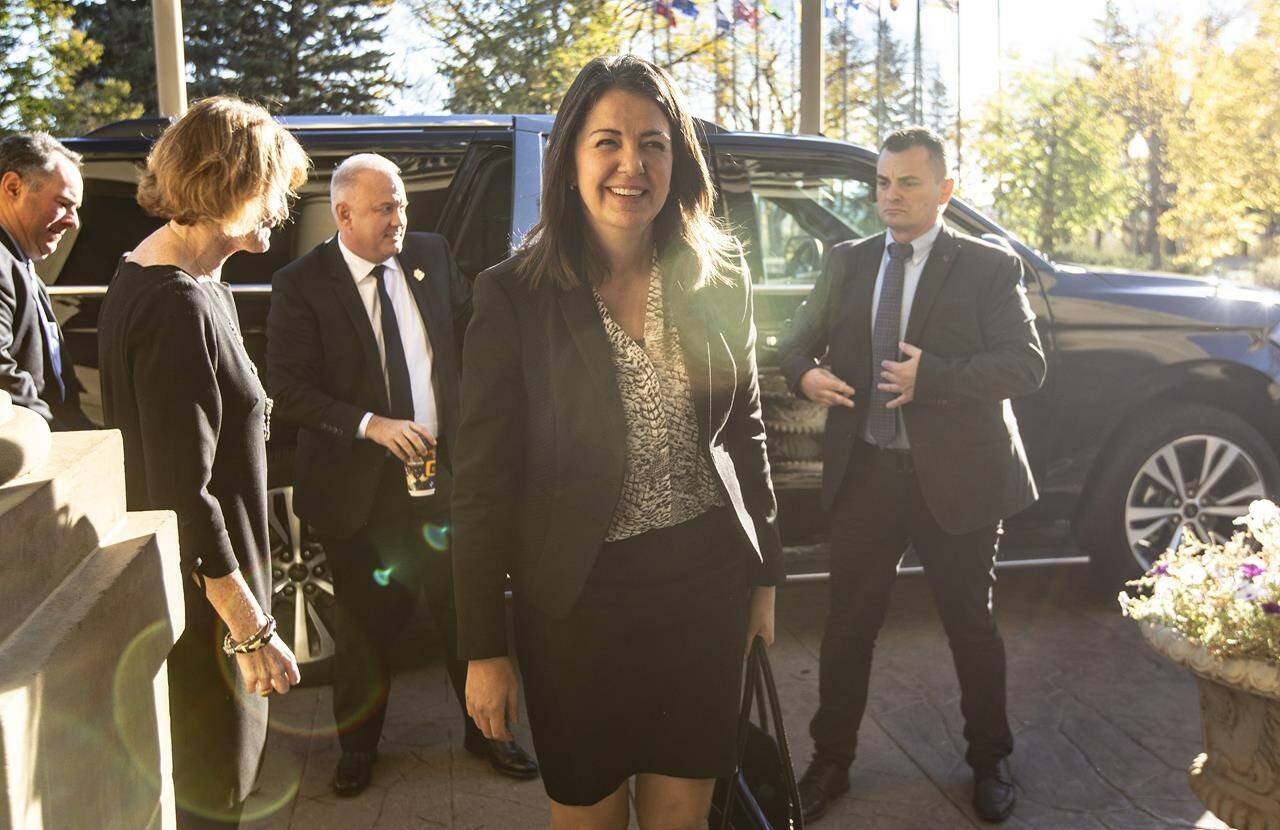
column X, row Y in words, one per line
column 297, row 56
column 1224, row 161
column 1136, row 74
column 848, row 99
column 517, row 56
column 1056, row 147
column 41, row 54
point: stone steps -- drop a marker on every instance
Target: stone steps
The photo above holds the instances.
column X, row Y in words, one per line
column 90, row 605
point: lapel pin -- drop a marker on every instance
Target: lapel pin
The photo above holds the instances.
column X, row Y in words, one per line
column 419, row 274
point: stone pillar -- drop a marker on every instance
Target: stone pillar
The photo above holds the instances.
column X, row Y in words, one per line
column 171, row 59
column 811, row 48
column 90, row 605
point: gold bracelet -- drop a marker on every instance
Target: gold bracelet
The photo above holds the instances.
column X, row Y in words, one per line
column 230, row 647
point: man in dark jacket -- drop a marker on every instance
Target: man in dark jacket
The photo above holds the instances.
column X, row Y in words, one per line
column 363, row 339
column 40, row 192
column 928, row 334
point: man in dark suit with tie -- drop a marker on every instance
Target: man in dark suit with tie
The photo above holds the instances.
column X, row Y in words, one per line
column 40, row 192
column 363, row 344
column 927, row 338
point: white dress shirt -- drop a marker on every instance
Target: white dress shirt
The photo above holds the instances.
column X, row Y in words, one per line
column 920, row 248
column 413, row 334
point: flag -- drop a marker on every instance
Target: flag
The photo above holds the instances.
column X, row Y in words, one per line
column 685, row 7
column 723, row 24
column 662, row 8
column 770, row 10
column 745, row 14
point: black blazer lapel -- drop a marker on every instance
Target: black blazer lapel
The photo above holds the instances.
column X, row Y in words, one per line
column 349, row 297
column 708, row 361
column 936, row 269
column 861, row 294
column 578, row 308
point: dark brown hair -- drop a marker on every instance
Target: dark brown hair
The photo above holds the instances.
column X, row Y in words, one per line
column 558, row 248
column 226, row 161
column 909, row 137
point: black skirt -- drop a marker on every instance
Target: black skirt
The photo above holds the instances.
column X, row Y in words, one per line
column 645, row 674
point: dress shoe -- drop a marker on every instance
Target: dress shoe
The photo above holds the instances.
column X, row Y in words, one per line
column 354, row 772
column 822, row 783
column 504, row 756
column 993, row 795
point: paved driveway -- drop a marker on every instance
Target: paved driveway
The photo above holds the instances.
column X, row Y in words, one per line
column 1104, row 728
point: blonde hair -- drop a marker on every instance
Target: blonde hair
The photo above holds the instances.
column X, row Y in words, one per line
column 227, row 162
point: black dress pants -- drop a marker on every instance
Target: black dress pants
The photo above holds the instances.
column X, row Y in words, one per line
column 377, row 574
column 878, row 510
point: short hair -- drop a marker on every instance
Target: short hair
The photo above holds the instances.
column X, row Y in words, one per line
column 33, row 156
column 558, row 248
column 346, row 173
column 905, row 139
column 227, row 162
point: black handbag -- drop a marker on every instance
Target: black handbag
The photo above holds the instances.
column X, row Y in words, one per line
column 762, row 793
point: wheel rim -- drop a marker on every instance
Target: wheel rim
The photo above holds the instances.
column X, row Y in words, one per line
column 1197, row 484
column 301, row 583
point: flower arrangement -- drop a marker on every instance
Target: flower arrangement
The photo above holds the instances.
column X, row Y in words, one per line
column 1225, row 597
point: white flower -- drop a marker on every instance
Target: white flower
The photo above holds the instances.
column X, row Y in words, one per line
column 1248, row 592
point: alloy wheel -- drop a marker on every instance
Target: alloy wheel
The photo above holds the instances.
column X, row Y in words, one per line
column 301, row 583
column 1198, row 485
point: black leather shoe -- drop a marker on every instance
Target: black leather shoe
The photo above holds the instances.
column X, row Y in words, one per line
column 822, row 783
column 505, row 757
column 993, row 795
column 354, row 772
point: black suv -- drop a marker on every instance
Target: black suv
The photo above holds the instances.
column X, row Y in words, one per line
column 1159, row 415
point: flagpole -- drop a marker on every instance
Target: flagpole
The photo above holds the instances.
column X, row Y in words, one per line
column 879, row 89
column 733, row 68
column 755, row 119
column 844, row 73
column 917, row 92
column 959, row 121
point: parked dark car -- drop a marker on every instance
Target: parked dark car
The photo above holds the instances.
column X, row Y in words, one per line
column 1160, row 414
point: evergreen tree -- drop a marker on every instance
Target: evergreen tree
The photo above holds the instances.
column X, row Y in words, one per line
column 297, row 56
column 1058, row 150
column 521, row 55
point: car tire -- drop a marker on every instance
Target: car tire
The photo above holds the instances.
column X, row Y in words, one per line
column 1152, row 489
column 301, row 583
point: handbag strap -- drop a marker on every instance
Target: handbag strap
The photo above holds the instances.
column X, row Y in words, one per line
column 779, row 732
column 744, row 718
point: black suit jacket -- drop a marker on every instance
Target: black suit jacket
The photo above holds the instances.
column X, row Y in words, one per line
column 26, row 368
column 542, row 445
column 971, row 317
column 324, row 372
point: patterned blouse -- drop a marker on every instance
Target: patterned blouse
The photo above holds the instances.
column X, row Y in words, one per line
column 667, row 478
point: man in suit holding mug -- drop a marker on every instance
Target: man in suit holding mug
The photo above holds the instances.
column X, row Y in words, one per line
column 928, row 334
column 40, row 194
column 363, row 340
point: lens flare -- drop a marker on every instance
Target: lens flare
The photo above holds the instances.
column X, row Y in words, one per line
column 437, row 536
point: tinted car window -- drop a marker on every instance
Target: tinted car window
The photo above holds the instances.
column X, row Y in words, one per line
column 112, row 222
column 790, row 212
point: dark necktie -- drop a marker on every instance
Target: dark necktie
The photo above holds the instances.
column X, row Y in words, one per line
column 882, row 423
column 397, row 365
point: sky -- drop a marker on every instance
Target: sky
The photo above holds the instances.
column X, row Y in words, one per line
column 1033, row 35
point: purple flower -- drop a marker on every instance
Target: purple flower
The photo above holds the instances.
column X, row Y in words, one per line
column 1160, row 569
column 1251, row 571
column 1271, row 607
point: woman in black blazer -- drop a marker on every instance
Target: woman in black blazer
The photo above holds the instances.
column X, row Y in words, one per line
column 612, row 461
column 179, row 385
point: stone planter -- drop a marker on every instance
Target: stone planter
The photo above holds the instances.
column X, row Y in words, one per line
column 1237, row 777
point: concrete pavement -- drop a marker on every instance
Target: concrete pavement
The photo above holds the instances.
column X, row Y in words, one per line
column 1105, row 729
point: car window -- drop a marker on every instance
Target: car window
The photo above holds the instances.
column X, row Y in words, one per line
column 789, row 212
column 112, row 222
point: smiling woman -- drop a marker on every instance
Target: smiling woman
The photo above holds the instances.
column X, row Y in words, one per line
column 612, row 459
